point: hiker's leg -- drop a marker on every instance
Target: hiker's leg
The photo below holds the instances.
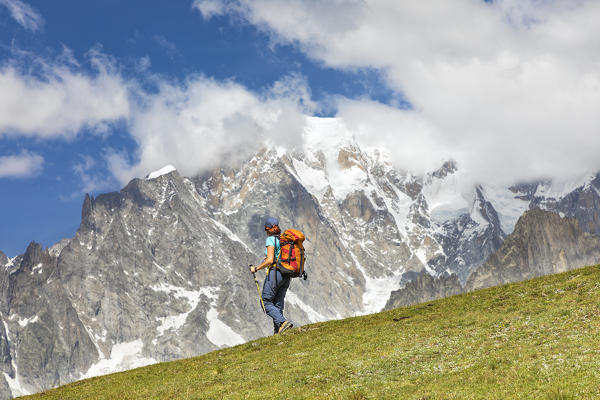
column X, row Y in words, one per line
column 269, row 293
column 280, row 295
column 278, row 301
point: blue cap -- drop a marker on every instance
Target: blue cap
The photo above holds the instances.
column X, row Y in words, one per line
column 271, row 222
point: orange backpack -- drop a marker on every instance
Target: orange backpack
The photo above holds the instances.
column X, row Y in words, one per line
column 291, row 256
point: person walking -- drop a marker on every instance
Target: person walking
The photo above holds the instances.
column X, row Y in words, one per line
column 275, row 285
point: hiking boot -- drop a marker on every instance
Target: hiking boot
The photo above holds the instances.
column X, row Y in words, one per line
column 275, row 329
column 285, row 326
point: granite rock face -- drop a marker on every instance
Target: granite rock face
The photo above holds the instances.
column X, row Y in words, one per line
column 43, row 342
column 580, row 200
column 543, row 243
column 423, row 288
column 469, row 239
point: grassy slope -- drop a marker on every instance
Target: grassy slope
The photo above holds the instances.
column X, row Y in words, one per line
column 538, row 339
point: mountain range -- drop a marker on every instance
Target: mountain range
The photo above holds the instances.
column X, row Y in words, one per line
column 158, row 271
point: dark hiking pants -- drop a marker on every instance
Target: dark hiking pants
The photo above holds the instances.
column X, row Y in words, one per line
column 273, row 295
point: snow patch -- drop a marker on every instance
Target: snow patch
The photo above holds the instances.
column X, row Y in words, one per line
column 193, row 298
column 171, row 322
column 449, row 197
column 231, row 235
column 123, row 356
column 219, row 333
column 163, row 171
column 558, row 189
column 314, row 180
column 13, row 383
column 476, row 214
column 10, row 263
column 24, row 322
column 421, row 254
column 398, row 207
column 37, row 268
column 280, row 151
column 508, row 207
column 329, row 136
column 15, row 387
column 348, row 181
column 313, row 315
column 377, row 290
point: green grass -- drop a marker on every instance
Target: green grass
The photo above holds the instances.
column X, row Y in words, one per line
column 538, row 339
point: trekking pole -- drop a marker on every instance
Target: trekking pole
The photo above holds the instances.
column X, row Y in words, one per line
column 262, row 304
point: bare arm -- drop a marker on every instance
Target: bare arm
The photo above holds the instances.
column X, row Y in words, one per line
column 269, row 260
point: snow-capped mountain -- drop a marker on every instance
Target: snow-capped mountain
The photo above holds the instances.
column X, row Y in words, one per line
column 158, row 271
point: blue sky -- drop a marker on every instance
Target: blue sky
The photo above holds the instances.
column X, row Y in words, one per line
column 95, row 93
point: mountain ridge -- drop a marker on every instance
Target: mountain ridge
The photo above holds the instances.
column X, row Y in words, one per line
column 542, row 243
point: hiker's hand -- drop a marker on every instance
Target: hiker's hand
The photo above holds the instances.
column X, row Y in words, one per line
column 252, row 269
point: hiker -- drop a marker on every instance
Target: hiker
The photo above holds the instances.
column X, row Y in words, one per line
column 276, row 285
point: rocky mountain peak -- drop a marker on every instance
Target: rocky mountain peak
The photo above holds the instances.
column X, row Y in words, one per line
column 34, row 255
column 350, row 157
column 596, row 181
column 448, row 168
column 86, row 212
column 482, row 208
column 161, row 172
column 543, row 242
column 524, row 191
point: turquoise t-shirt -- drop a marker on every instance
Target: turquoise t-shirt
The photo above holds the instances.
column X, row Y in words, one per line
column 273, row 241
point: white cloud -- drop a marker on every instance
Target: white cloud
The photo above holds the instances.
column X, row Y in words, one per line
column 209, row 8
column 203, row 123
column 60, row 100
column 402, row 132
column 24, row 165
column 24, row 14
column 510, row 88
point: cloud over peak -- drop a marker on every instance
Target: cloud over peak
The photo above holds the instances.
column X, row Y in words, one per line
column 510, row 87
column 203, row 123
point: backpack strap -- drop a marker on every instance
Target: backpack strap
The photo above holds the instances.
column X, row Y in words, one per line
column 290, row 259
column 275, row 256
